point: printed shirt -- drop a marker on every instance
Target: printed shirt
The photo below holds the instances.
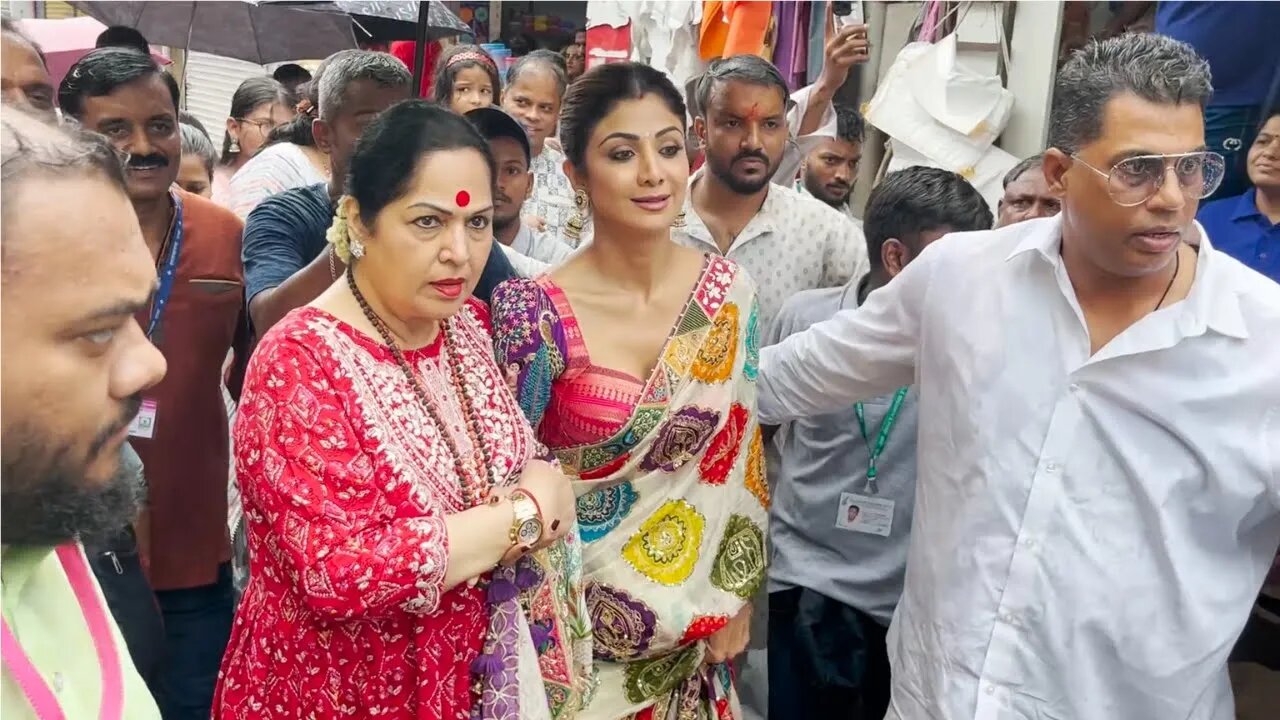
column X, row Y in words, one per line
column 1091, row 530
column 40, row 607
column 552, row 198
column 796, row 242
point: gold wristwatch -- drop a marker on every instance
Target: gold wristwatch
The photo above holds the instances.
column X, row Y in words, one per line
column 526, row 528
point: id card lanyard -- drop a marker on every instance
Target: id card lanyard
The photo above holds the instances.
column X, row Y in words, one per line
column 882, row 437
column 168, row 269
column 42, row 699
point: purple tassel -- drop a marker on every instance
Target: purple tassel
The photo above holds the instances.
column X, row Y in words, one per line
column 527, row 577
column 541, row 636
column 502, row 590
column 486, row 665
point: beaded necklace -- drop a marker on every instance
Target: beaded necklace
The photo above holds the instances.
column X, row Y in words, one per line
column 471, row 495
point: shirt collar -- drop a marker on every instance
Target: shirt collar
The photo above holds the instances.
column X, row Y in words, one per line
column 1247, row 206
column 19, row 564
column 763, row 222
column 1212, row 302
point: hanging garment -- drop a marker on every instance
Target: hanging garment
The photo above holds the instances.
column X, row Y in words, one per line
column 735, row 27
column 817, row 39
column 790, row 55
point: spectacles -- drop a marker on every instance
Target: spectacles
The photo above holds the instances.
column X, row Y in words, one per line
column 264, row 126
column 1137, row 179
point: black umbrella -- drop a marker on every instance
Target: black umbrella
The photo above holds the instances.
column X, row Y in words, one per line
column 429, row 20
column 260, row 32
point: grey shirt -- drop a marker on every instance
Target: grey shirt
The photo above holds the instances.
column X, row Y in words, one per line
column 823, row 457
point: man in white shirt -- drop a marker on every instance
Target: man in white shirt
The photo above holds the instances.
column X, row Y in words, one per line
column 535, row 88
column 787, row 241
column 1098, row 494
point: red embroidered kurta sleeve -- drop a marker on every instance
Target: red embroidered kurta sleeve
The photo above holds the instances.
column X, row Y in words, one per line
column 349, row 549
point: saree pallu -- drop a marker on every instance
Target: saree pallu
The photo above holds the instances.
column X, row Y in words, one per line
column 672, row 507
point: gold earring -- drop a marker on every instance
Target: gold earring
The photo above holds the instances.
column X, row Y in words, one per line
column 679, row 221
column 578, row 221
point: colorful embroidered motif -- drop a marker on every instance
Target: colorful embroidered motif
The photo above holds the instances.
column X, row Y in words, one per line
column 680, row 438
column 647, row 679
column 739, row 563
column 755, row 477
column 722, row 453
column 712, row 293
column 600, row 511
column 716, row 357
column 665, row 547
column 703, row 627
column 623, row 626
column 605, row 470
column 681, row 351
column 751, row 365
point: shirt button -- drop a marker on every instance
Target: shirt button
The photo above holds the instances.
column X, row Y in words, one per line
column 1052, row 467
column 1028, row 543
column 991, row 689
column 1074, row 387
column 58, row 682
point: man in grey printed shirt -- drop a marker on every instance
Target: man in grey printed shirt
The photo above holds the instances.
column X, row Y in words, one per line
column 844, row 494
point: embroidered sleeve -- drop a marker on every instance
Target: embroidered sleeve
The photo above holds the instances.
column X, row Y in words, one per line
column 529, row 344
column 317, row 502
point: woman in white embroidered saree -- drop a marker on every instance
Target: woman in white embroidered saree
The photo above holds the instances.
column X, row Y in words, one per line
column 635, row 362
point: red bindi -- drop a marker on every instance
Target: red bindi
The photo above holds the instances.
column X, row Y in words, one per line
column 755, row 112
column 463, row 198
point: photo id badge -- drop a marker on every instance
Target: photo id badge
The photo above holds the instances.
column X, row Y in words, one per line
column 865, row 514
column 144, row 423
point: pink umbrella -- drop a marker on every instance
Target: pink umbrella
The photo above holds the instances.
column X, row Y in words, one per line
column 66, row 41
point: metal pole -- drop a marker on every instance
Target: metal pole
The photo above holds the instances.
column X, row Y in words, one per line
column 420, row 47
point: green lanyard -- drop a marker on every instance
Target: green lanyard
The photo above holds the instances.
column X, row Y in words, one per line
column 886, row 426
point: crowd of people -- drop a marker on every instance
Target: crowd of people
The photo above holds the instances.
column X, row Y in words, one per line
column 548, row 398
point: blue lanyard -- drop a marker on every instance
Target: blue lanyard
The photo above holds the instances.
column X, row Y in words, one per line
column 168, row 268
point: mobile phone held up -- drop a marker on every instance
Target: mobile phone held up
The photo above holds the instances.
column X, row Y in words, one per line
column 847, row 13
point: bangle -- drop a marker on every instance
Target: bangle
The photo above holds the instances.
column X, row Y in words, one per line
column 519, row 491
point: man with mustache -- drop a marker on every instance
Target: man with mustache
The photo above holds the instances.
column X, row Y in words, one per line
column 787, row 241
column 831, row 168
column 194, row 318
column 74, row 367
column 1026, row 194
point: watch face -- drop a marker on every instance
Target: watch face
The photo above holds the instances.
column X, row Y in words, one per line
column 530, row 531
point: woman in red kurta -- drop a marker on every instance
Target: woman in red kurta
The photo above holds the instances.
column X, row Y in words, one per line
column 384, row 464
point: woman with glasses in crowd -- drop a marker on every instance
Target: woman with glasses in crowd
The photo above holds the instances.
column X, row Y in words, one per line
column 635, row 361
column 414, row 547
column 258, row 106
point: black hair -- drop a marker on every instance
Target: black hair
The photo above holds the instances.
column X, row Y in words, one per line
column 125, row 37
column 291, row 75
column 102, row 71
column 914, row 201
column 850, row 127
column 447, row 70
column 252, row 94
column 11, row 28
column 594, row 95
column 389, row 151
column 741, row 68
column 544, row 60
column 1018, row 170
column 298, row 130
